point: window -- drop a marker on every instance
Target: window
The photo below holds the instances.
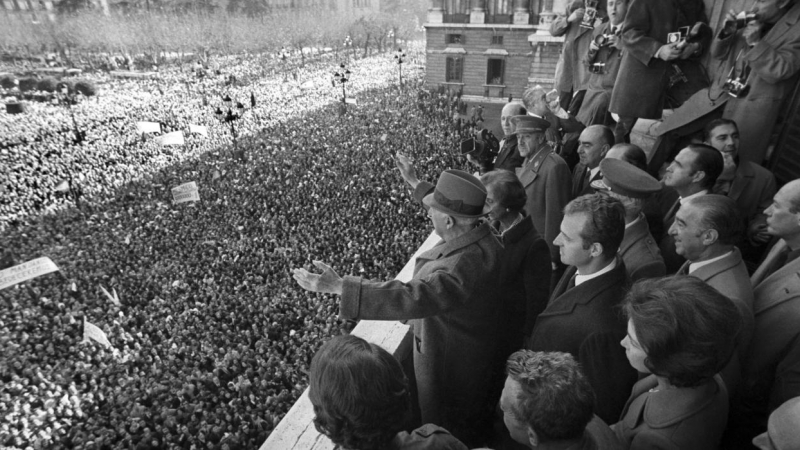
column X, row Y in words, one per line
column 454, row 69
column 454, row 39
column 497, row 40
column 494, row 71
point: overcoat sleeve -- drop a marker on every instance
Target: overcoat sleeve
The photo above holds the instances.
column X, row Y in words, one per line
column 559, row 26
column 436, row 293
column 636, row 31
column 536, row 277
column 774, row 64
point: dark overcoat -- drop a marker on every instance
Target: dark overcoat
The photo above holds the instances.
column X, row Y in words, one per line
column 674, row 419
column 641, row 86
column 640, row 252
column 587, row 322
column 525, row 283
column 452, row 306
column 509, row 157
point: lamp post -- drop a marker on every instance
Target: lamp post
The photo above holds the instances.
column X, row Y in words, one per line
column 66, row 98
column 342, row 77
column 283, row 55
column 399, row 56
column 230, row 116
column 348, row 45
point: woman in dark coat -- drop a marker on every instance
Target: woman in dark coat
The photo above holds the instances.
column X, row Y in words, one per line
column 682, row 332
column 526, row 268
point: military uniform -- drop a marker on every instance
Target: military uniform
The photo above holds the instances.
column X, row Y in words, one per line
column 640, row 252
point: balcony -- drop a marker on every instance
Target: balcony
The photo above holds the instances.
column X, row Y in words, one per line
column 296, row 431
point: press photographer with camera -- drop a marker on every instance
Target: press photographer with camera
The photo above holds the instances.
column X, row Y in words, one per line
column 603, row 59
column 662, row 43
column 762, row 48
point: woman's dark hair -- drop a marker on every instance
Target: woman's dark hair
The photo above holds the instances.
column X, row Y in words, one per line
column 687, row 328
column 509, row 189
column 359, row 392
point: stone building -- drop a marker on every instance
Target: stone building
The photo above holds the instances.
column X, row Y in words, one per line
column 490, row 50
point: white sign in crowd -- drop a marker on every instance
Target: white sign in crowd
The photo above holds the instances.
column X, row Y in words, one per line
column 187, row 192
column 26, row 271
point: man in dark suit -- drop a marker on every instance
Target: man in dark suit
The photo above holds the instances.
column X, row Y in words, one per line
column 632, row 186
column 705, row 231
column 449, row 302
column 582, row 316
column 692, row 173
column 509, row 158
column 593, row 144
column 749, row 184
column 546, row 179
column 772, row 368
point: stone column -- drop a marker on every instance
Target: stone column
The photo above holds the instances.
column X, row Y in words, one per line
column 522, row 12
column 436, row 12
column 546, row 17
column 477, row 12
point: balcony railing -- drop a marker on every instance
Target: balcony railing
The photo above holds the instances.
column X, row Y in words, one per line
column 296, row 431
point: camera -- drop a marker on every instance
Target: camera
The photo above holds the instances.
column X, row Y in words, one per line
column 743, row 18
column 737, row 86
column 598, row 68
column 603, row 39
column 590, row 14
column 679, row 37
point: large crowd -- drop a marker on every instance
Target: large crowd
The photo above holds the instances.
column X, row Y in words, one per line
column 212, row 341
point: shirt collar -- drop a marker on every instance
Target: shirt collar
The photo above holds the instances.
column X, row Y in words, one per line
column 583, row 278
column 696, row 194
column 699, row 264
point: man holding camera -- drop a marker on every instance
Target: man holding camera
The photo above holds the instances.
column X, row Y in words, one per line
column 763, row 51
column 603, row 60
column 659, row 39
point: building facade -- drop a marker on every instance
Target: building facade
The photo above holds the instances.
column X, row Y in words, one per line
column 491, row 50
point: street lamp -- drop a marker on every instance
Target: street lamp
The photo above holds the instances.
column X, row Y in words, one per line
column 230, row 115
column 348, row 44
column 399, row 57
column 342, row 77
column 66, row 98
column 283, row 55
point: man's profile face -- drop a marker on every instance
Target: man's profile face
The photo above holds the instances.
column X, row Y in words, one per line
column 506, row 123
column 781, row 220
column 687, row 232
column 725, row 138
column 517, row 427
column 681, row 171
column 591, row 148
column 570, row 243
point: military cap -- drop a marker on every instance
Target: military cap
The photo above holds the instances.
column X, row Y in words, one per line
column 625, row 179
column 530, row 124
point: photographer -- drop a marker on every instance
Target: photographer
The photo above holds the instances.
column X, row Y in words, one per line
column 764, row 55
column 659, row 38
column 603, row 60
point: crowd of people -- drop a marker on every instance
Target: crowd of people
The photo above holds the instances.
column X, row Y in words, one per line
column 212, row 339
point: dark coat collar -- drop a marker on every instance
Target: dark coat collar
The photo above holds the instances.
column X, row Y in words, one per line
column 711, row 270
column 443, row 248
column 587, row 291
column 518, row 231
column 662, row 409
column 633, row 234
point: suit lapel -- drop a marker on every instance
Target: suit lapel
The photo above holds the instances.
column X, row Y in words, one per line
column 740, row 181
column 768, row 263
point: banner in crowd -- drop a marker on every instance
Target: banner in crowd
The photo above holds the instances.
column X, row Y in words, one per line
column 26, row 271
column 63, row 186
column 187, row 192
column 148, row 127
column 92, row 331
column 113, row 298
column 174, row 138
column 199, row 129
column 350, row 100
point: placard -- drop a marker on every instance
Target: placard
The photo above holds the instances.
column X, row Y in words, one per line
column 26, row 271
column 186, row 192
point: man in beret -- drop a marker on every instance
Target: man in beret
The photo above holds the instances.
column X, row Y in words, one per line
column 450, row 302
column 547, row 183
column 632, row 186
